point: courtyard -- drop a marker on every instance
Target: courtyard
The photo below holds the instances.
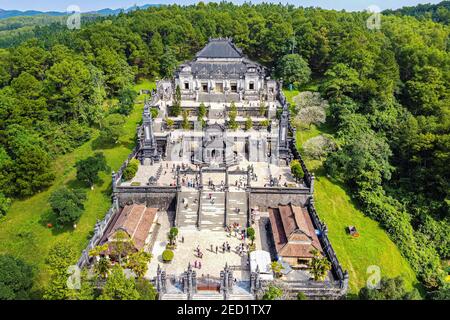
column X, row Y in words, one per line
column 211, row 262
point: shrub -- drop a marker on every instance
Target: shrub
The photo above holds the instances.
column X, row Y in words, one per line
column 154, row 112
column 5, row 203
column 167, row 255
column 265, row 123
column 296, row 169
column 301, row 296
column 131, row 169
column 248, row 124
column 273, row 293
column 170, row 123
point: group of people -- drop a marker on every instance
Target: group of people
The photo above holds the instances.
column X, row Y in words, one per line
column 213, row 187
column 191, row 183
column 236, row 228
column 242, row 248
column 240, row 184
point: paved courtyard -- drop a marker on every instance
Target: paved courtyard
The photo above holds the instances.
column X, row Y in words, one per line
column 211, row 263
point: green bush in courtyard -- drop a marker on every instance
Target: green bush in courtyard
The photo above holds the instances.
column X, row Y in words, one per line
column 167, row 255
column 296, row 169
column 131, row 169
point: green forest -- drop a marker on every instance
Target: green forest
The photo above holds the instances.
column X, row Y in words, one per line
column 388, row 94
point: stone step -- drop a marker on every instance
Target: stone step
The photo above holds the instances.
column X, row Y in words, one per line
column 241, row 297
column 212, row 296
column 174, row 296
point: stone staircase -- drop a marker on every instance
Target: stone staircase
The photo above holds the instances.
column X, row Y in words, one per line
column 237, row 200
column 241, row 296
column 212, row 215
column 187, row 211
column 207, row 296
column 174, row 296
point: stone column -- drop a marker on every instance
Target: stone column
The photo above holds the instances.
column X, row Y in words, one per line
column 113, row 176
column 158, row 280
column 163, row 282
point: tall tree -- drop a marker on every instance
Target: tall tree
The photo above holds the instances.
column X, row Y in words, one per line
column 294, row 70
column 88, row 169
column 16, row 278
column 119, row 287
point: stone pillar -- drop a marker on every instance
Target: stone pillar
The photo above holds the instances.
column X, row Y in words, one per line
column 163, row 282
column 194, row 281
column 113, row 176
column 230, row 281
column 252, row 283
column 344, row 283
column 311, row 184
column 178, row 176
column 222, row 281
column 115, row 202
column 158, row 280
column 257, row 279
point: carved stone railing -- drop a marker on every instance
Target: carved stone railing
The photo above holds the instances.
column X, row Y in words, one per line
column 282, row 190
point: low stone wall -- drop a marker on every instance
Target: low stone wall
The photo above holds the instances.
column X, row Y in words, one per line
column 272, row 199
column 163, row 198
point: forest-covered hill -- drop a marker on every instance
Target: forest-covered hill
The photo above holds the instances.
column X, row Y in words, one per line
column 388, row 91
column 437, row 12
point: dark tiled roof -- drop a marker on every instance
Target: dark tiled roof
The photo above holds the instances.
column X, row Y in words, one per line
column 203, row 68
column 220, row 48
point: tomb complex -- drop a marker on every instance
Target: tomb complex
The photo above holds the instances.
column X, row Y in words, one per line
column 215, row 148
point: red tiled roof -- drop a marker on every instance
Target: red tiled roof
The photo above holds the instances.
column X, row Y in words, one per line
column 136, row 220
column 293, row 231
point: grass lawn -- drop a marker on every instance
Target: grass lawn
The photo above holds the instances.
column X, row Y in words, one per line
column 24, row 232
column 143, row 84
column 338, row 210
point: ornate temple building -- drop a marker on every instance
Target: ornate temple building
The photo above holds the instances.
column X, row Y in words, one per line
column 225, row 84
column 220, row 72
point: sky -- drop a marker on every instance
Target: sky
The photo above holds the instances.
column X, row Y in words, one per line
column 90, row 5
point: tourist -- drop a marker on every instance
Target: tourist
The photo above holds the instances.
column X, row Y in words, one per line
column 217, row 248
column 182, row 239
column 195, row 264
column 212, row 248
column 199, row 265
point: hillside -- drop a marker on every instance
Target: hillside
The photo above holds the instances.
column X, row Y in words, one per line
column 336, row 208
column 24, row 232
column 437, row 12
column 4, row 14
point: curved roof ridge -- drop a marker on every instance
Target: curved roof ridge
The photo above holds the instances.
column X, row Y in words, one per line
column 220, row 48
